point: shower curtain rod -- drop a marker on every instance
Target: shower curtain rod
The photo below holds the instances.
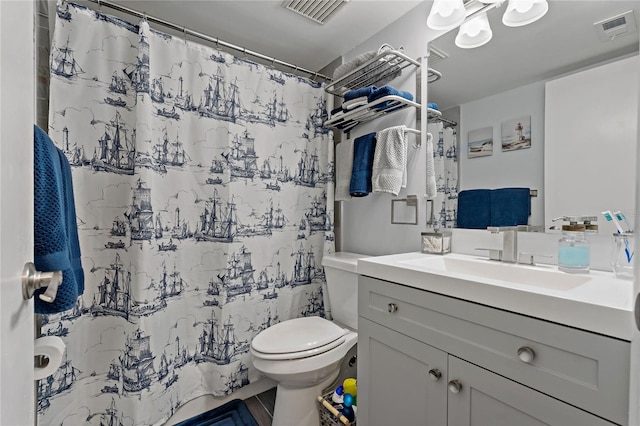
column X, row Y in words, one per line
column 217, row 41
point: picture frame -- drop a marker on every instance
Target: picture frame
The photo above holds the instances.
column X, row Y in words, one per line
column 480, row 142
column 516, row 134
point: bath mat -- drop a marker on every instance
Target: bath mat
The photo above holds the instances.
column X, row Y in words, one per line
column 233, row 413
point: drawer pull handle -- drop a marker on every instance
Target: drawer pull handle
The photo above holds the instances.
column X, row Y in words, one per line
column 392, row 308
column 435, row 374
column 455, row 386
column 526, row 354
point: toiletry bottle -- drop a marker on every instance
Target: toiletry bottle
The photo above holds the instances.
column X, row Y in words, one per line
column 337, row 396
column 573, row 248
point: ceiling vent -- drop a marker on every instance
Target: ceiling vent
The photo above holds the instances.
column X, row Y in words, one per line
column 316, row 10
column 616, row 26
column 436, row 55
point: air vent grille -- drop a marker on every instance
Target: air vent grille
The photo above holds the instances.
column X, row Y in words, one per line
column 316, row 10
column 436, row 55
column 615, row 23
column 615, row 26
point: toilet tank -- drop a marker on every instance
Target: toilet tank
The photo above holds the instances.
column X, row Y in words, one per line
column 342, row 284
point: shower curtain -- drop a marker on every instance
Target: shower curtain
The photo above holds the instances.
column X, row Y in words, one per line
column 203, row 186
column 445, row 153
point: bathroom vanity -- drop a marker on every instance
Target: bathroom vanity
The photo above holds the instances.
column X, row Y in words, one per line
column 460, row 340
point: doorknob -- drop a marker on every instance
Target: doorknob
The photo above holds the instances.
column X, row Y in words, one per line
column 33, row 280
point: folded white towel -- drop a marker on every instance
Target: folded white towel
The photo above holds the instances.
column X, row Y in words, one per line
column 390, row 160
column 432, row 189
column 344, row 165
column 354, row 103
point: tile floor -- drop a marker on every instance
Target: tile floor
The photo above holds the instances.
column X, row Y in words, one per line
column 261, row 406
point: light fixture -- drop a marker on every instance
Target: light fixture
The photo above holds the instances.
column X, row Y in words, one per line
column 472, row 17
column 523, row 12
column 474, row 33
column 446, row 14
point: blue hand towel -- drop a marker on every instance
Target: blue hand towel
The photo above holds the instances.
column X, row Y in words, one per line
column 387, row 91
column 358, row 93
column 510, row 206
column 56, row 246
column 363, row 150
column 474, row 211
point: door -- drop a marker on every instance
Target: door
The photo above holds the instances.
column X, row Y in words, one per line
column 401, row 381
column 485, row 398
column 16, row 210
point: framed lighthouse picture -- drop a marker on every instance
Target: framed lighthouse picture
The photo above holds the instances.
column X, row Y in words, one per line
column 516, row 134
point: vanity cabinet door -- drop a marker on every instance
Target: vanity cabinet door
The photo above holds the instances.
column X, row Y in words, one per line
column 401, row 381
column 480, row 397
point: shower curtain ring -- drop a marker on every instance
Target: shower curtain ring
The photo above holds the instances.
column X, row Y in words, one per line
column 273, row 61
column 144, row 16
column 244, row 52
column 184, row 33
column 99, row 5
column 217, row 43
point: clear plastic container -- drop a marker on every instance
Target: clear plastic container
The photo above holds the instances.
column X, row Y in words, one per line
column 622, row 255
column 573, row 250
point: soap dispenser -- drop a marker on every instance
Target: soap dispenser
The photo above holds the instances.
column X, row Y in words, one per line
column 573, row 248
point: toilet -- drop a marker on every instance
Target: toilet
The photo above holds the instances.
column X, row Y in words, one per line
column 304, row 354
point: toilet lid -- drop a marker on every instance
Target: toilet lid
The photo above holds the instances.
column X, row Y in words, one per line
column 298, row 335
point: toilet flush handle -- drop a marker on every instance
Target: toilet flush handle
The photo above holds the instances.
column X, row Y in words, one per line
column 392, row 308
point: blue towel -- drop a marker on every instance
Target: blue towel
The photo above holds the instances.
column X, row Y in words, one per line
column 474, row 211
column 387, row 91
column 510, row 206
column 56, row 246
column 358, row 93
column 363, row 149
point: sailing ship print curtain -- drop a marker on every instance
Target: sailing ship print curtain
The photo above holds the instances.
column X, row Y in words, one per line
column 203, row 188
column 445, row 153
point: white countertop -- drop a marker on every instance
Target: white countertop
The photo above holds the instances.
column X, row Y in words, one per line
column 597, row 302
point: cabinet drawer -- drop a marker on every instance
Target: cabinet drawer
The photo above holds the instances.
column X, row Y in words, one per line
column 582, row 368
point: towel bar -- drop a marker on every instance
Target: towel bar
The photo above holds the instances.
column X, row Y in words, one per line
column 411, row 201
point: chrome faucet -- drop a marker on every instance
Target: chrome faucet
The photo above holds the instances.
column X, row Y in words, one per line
column 509, row 242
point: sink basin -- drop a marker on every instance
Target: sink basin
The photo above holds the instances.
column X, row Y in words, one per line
column 480, row 268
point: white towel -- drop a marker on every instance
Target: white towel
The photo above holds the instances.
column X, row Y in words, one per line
column 353, row 103
column 390, row 160
column 432, row 189
column 344, row 165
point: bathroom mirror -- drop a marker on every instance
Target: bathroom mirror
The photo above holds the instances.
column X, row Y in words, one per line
column 503, row 80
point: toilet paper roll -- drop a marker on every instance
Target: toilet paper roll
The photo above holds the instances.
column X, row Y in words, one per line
column 52, row 348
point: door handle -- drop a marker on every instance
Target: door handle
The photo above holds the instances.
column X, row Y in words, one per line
column 33, row 280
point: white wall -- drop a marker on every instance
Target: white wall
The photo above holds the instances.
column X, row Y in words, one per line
column 520, row 168
column 366, row 222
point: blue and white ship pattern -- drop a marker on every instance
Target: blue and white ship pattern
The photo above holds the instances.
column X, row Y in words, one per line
column 184, row 172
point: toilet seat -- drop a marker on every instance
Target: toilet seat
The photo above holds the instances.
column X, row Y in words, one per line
column 298, row 338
